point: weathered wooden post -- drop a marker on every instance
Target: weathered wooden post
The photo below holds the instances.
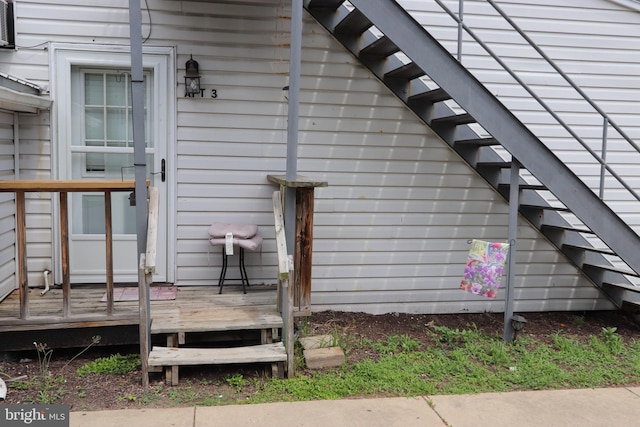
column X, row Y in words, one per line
column 303, row 249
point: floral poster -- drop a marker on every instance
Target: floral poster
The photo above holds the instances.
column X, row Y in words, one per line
column 484, row 268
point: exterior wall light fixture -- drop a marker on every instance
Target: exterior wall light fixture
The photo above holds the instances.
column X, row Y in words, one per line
column 192, row 79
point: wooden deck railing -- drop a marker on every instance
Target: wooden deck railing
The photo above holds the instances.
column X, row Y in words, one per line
column 285, row 291
column 303, row 250
column 146, row 268
column 20, row 188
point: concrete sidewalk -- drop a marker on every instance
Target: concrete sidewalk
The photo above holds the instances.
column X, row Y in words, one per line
column 562, row 408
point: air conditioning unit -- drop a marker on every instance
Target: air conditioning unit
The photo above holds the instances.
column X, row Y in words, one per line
column 7, row 30
column 4, row 22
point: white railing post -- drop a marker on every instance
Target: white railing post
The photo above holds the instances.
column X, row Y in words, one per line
column 285, row 290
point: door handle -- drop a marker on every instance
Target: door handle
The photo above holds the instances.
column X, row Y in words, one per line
column 163, row 170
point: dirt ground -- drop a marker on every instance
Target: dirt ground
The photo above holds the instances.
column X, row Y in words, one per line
column 101, row 391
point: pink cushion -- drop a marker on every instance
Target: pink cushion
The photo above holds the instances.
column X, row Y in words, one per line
column 252, row 244
column 241, row 231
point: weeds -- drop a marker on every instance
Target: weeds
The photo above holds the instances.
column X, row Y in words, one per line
column 236, row 381
column 578, row 320
column 612, row 340
column 50, row 386
column 448, row 361
column 44, row 358
column 396, row 344
column 94, row 340
column 450, row 336
column 114, row 364
column 468, row 361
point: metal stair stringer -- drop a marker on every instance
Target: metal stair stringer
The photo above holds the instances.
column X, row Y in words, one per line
column 401, row 33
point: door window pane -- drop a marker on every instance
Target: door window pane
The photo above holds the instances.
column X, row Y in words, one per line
column 107, row 111
column 122, row 217
column 108, row 127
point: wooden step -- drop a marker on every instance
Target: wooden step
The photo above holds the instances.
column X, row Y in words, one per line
column 216, row 319
column 174, row 356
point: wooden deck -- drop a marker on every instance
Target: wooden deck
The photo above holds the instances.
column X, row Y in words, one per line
column 195, row 309
column 70, row 316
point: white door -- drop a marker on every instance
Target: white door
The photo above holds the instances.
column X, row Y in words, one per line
column 98, row 144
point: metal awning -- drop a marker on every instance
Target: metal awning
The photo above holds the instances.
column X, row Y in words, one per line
column 21, row 96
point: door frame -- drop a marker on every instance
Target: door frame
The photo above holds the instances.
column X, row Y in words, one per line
column 63, row 57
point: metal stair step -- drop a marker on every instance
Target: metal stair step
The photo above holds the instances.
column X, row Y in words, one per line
column 623, row 292
column 380, row 48
column 604, row 251
column 429, row 97
column 354, row 23
column 548, row 208
column 567, row 228
column 177, row 356
column 498, row 164
column 612, row 269
column 524, row 186
column 456, row 120
column 324, row 4
column 406, row 72
column 480, row 142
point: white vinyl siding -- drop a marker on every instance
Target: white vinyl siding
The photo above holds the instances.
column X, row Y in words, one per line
column 34, row 148
column 7, row 207
column 596, row 44
column 391, row 230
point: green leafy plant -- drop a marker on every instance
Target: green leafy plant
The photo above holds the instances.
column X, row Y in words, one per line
column 114, row 364
column 612, row 340
column 578, row 320
column 50, row 388
column 396, row 344
column 236, row 381
column 450, row 336
column 128, row 398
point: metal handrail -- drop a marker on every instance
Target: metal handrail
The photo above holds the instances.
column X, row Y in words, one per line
column 607, row 119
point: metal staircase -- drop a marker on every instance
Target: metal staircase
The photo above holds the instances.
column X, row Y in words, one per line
column 382, row 35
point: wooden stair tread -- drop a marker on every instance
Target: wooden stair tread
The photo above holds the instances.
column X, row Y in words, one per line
column 216, row 319
column 174, row 356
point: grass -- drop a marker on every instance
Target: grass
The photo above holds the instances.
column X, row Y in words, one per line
column 468, row 361
column 114, row 364
column 50, row 386
column 451, row 361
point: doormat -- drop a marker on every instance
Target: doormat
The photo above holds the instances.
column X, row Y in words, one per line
column 156, row 293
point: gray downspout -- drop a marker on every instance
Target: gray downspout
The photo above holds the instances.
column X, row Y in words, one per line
column 137, row 102
column 139, row 162
column 292, row 123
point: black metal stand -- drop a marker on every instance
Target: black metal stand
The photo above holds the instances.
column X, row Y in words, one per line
column 243, row 271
